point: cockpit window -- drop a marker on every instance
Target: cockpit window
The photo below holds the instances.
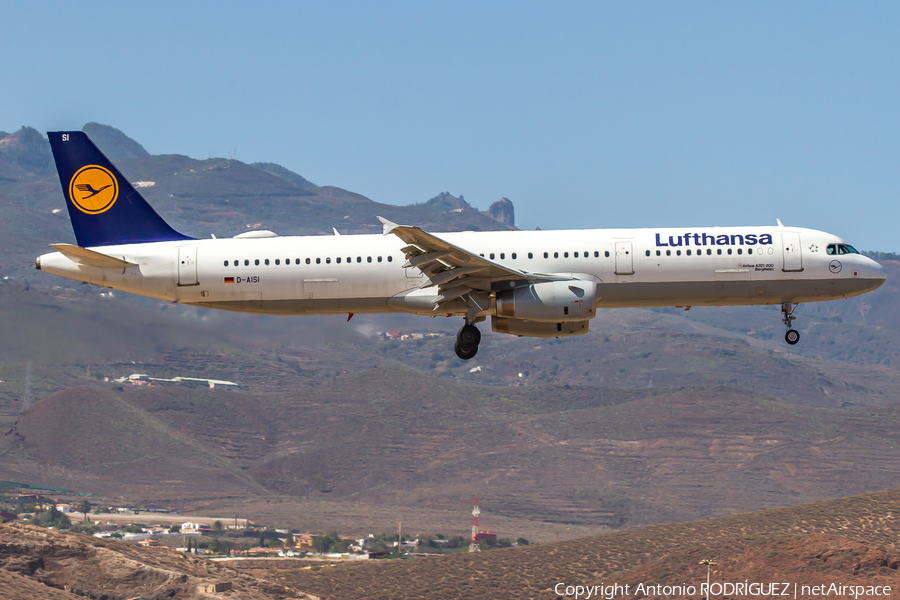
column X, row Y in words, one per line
column 841, row 249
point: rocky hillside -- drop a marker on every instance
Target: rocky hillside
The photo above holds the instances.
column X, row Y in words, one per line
column 848, row 541
column 41, row 563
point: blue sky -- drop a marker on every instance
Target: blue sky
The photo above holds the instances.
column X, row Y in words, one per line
column 583, row 114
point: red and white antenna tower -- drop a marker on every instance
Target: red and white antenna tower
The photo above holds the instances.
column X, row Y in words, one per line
column 474, row 547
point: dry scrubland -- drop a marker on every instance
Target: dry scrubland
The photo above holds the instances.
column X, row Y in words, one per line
column 846, row 541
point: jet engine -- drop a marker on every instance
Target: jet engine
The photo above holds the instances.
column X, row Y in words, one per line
column 551, row 301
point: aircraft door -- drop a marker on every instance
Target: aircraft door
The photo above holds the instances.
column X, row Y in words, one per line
column 187, row 265
column 790, row 245
column 624, row 259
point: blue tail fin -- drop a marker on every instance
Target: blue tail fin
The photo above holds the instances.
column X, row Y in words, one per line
column 104, row 207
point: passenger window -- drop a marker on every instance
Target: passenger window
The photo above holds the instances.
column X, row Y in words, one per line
column 565, row 255
column 502, row 255
column 658, row 253
column 709, row 251
column 318, row 261
column 256, row 262
column 546, row 255
column 585, row 254
column 390, row 259
column 379, row 259
column 596, row 254
column 648, row 253
column 338, row 260
column 576, row 255
column 359, row 259
column 349, row 259
column 668, row 253
column 719, row 251
column 307, row 260
column 688, row 252
column 556, row 255
column 327, row 260
column 226, row 263
column 235, row 263
column 246, row 262
column 481, row 255
column 267, row 261
column 514, row 256
column 530, row 255
column 368, row 259
column 606, row 254
column 678, row 252
column 277, row 261
column 729, row 251
column 740, row 250
column 492, row 256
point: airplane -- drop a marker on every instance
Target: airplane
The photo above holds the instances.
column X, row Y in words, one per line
column 530, row 283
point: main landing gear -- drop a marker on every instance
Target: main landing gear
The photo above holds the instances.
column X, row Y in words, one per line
column 467, row 340
column 791, row 336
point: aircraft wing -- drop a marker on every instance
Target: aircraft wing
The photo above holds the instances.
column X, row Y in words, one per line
column 454, row 270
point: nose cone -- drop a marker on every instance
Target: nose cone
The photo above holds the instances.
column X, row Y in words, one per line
column 874, row 273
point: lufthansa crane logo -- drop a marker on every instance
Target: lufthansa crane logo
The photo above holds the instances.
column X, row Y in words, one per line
column 93, row 189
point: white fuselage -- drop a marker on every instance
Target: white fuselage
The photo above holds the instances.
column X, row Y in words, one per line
column 366, row 274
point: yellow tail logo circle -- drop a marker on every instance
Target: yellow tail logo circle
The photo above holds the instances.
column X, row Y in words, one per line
column 93, row 189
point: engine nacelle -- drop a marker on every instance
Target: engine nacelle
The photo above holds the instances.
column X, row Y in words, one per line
column 539, row 328
column 550, row 301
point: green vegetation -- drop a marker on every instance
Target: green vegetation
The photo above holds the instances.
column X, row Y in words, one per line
column 85, row 529
column 330, row 543
column 50, row 517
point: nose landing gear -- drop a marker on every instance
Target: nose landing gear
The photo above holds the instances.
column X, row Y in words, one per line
column 467, row 340
column 791, row 336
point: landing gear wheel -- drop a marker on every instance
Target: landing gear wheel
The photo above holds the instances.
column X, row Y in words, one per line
column 792, row 336
column 468, row 337
column 465, row 353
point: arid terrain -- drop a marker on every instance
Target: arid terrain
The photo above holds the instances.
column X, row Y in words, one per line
column 847, row 541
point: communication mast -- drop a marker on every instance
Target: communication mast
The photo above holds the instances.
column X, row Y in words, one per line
column 473, row 546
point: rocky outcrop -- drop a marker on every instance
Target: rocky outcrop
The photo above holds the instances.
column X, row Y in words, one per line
column 503, row 211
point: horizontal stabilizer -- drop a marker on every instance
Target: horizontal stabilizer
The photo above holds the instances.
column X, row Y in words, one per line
column 91, row 258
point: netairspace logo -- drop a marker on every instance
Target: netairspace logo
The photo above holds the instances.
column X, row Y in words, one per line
column 725, row 589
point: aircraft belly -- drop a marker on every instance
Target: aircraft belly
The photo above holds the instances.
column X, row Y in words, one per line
column 730, row 293
column 302, row 306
